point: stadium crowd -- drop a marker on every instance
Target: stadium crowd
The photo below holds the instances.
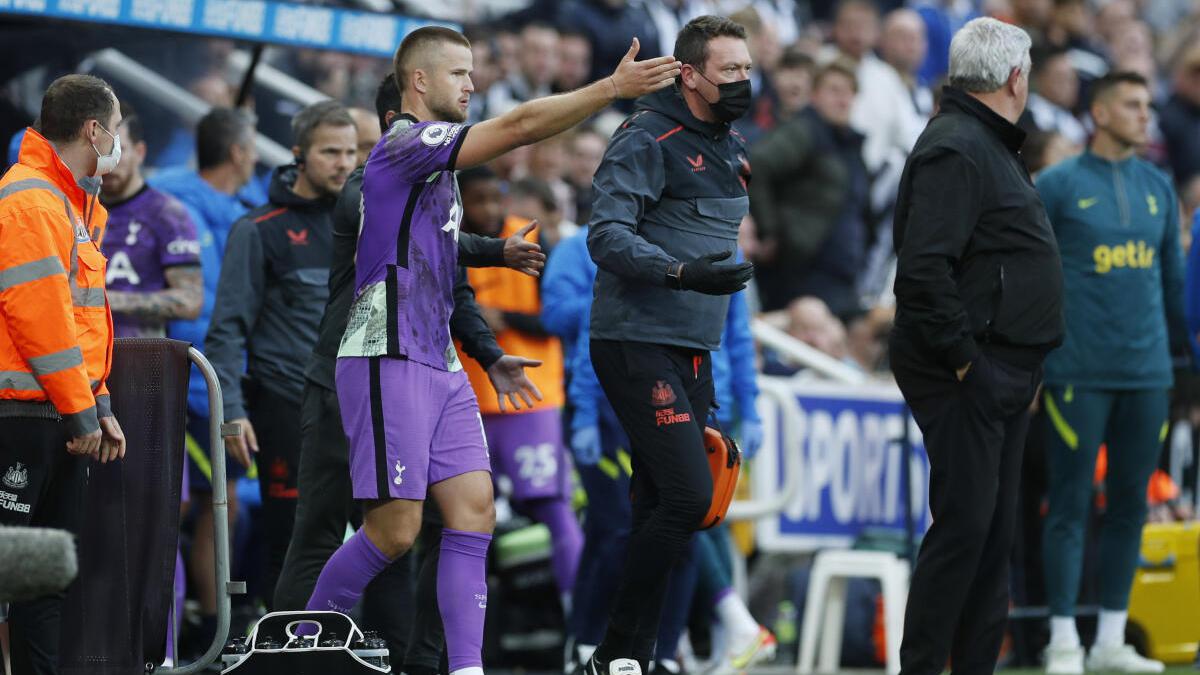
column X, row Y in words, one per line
column 841, row 93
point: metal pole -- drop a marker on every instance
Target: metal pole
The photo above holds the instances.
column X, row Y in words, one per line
column 220, row 505
column 174, row 623
column 248, row 79
column 266, row 75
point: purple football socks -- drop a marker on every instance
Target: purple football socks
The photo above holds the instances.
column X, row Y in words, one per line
column 344, row 577
column 462, row 595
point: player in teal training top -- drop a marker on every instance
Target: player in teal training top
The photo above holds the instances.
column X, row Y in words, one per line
column 1116, row 218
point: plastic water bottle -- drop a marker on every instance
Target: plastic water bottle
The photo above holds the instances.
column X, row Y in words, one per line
column 332, row 640
column 302, row 642
column 372, row 649
column 268, row 643
column 235, row 650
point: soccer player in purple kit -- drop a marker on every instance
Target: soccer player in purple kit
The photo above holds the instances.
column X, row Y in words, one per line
column 408, row 409
column 153, row 253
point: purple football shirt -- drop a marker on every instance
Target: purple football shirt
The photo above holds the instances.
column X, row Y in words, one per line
column 408, row 247
column 146, row 234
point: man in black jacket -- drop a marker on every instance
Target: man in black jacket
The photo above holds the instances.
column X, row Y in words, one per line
column 978, row 306
column 325, row 503
column 267, row 307
column 669, row 197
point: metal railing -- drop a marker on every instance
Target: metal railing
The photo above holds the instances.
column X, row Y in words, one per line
column 767, row 506
column 809, row 357
column 274, row 79
column 178, row 100
column 761, row 507
column 217, row 430
column 822, row 364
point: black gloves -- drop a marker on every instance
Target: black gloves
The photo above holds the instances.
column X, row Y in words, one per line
column 704, row 276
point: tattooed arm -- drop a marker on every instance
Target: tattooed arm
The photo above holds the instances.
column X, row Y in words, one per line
column 181, row 299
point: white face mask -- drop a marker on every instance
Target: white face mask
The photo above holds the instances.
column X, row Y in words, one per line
column 106, row 163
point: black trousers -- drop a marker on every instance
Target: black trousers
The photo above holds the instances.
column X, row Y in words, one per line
column 276, row 421
column 662, row 396
column 324, row 506
column 974, row 434
column 41, row 485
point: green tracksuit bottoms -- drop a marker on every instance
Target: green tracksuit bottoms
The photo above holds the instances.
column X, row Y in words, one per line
column 1133, row 423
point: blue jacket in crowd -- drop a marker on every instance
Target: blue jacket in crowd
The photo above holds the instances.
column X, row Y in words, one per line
column 567, row 291
column 14, row 149
column 734, row 375
column 942, row 21
column 214, row 213
column 566, row 312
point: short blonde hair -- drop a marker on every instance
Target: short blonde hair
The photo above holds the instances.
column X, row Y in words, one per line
column 416, row 42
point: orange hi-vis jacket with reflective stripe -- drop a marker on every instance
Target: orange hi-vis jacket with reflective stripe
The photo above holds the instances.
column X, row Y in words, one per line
column 55, row 324
column 511, row 291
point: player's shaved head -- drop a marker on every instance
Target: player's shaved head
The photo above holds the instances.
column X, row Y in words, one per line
column 420, row 47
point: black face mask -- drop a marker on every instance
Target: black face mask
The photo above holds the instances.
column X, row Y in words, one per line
column 734, row 100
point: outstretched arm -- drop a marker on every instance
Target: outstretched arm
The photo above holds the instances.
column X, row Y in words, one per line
column 542, row 118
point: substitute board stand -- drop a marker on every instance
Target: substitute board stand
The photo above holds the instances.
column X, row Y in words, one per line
column 269, row 653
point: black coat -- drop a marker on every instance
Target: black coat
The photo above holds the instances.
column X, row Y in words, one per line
column 978, row 262
column 273, row 284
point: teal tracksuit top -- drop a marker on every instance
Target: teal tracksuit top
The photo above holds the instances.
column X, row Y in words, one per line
column 1117, row 225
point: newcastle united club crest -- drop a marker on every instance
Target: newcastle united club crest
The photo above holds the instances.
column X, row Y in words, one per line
column 17, row 476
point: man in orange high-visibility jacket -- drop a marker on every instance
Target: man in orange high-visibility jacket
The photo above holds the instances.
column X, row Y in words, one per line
column 55, row 332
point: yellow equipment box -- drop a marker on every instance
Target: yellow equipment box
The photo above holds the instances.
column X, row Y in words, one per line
column 1165, row 601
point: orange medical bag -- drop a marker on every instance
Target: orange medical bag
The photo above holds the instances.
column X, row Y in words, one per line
column 725, row 463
